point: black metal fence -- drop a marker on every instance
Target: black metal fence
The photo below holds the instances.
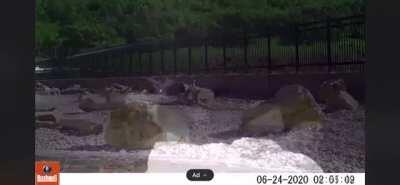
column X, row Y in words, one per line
column 334, row 44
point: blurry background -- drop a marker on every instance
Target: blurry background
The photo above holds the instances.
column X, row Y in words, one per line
column 238, row 33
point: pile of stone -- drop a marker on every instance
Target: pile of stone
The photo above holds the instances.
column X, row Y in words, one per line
column 74, row 89
column 43, row 89
column 334, row 94
column 77, row 127
column 111, row 97
column 293, row 106
column 118, row 88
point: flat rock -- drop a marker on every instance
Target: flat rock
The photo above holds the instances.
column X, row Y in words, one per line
column 79, row 127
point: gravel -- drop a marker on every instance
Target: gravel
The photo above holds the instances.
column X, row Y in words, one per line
column 338, row 147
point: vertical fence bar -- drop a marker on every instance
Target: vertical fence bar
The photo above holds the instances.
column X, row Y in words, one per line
column 140, row 63
column 151, row 63
column 328, row 44
column 190, row 60
column 106, row 66
column 297, row 35
column 130, row 63
column 269, row 54
column 175, row 58
column 224, row 54
column 162, row 60
column 245, row 47
column 206, row 55
column 121, row 63
column 93, row 65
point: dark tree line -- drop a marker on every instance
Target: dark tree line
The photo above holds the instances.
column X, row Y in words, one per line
column 82, row 24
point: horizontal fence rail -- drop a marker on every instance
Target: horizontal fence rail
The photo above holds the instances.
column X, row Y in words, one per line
column 331, row 45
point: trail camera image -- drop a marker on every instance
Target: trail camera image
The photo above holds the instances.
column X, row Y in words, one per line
column 172, row 85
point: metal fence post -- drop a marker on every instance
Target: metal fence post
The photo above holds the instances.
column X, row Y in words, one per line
column 297, row 34
column 151, row 62
column 93, row 64
column 328, row 43
column 269, row 54
column 140, row 63
column 245, row 47
column 224, row 54
column 190, row 59
column 130, row 63
column 162, row 60
column 206, row 55
column 175, row 58
column 121, row 63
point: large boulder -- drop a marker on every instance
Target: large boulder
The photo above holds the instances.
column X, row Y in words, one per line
column 298, row 106
column 43, row 89
column 293, row 106
column 174, row 89
column 173, row 121
column 44, row 103
column 144, row 84
column 336, row 97
column 264, row 118
column 131, row 128
column 140, row 126
column 198, row 95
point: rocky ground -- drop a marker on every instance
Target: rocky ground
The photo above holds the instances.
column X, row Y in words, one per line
column 215, row 143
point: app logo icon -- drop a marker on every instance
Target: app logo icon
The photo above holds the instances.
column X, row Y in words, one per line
column 47, row 173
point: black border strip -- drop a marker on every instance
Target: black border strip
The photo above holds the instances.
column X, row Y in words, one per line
column 16, row 94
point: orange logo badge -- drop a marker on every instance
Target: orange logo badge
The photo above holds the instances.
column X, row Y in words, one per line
column 47, row 173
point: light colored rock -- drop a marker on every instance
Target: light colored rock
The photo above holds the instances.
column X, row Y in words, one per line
column 293, row 106
column 168, row 87
column 205, row 97
column 172, row 121
column 334, row 94
column 40, row 88
column 72, row 126
column 96, row 103
column 139, row 126
column 115, row 87
column 198, row 95
column 265, row 118
column 79, row 127
column 44, row 103
column 47, row 124
column 131, row 128
column 74, row 89
column 298, row 107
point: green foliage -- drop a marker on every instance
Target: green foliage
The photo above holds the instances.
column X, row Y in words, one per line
column 84, row 24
